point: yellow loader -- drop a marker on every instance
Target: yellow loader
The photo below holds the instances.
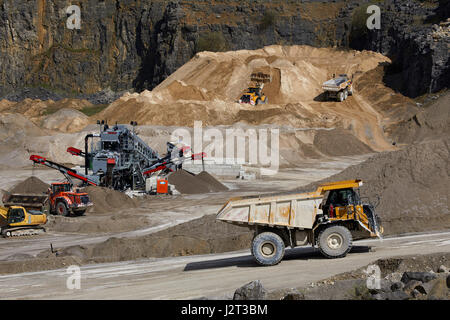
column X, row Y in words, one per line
column 254, row 95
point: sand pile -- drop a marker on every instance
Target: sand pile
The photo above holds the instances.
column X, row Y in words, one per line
column 213, row 183
column 428, row 122
column 65, row 120
column 207, row 88
column 36, row 109
column 201, row 236
column 95, row 224
column 338, row 142
column 30, row 185
column 413, row 185
column 188, row 183
column 107, row 200
column 62, row 115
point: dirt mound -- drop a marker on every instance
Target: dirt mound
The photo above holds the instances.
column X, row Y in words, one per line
column 189, row 183
column 107, row 200
column 213, row 183
column 201, row 236
column 339, row 142
column 428, row 122
column 30, row 185
column 413, row 185
column 65, row 120
column 207, row 87
column 117, row 222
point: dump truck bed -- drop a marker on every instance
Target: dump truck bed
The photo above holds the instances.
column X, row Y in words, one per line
column 28, row 201
column 297, row 210
column 293, row 210
column 335, row 84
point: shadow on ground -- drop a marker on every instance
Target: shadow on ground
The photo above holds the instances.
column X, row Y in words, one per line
column 247, row 261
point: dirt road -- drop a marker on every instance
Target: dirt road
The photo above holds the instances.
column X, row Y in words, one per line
column 212, row 276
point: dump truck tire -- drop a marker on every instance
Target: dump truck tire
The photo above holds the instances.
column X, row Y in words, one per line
column 340, row 96
column 268, row 248
column 350, row 91
column 335, row 242
column 61, row 209
column 345, row 94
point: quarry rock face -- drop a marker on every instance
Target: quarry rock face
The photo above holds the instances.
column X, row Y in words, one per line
column 414, row 35
column 127, row 45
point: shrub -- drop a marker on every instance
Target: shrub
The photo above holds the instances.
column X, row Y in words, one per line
column 268, row 20
column 212, row 41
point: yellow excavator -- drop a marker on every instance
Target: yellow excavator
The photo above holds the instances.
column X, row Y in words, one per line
column 22, row 215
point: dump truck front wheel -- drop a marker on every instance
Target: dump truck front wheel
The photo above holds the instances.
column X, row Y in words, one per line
column 335, row 241
column 268, row 248
column 341, row 96
column 61, row 209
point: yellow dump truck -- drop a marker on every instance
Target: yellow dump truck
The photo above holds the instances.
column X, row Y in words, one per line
column 22, row 215
column 330, row 218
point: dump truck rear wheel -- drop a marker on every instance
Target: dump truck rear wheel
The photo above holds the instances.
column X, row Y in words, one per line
column 268, row 248
column 335, row 242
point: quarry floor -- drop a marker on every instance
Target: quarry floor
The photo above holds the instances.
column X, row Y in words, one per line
column 214, row 276
column 159, row 212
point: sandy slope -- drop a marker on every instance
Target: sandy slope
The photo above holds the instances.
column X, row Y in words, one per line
column 207, row 87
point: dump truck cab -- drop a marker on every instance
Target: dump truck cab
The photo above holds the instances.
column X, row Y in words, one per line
column 64, row 200
column 329, row 218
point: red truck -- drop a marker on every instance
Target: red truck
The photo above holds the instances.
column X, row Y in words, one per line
column 64, row 201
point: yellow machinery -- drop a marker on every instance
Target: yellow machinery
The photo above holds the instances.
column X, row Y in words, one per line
column 329, row 217
column 17, row 221
column 254, row 94
column 22, row 215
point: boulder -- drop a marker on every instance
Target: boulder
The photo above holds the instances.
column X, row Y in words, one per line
column 419, row 276
column 294, row 294
column 397, row 286
column 251, row 291
column 425, row 288
column 411, row 285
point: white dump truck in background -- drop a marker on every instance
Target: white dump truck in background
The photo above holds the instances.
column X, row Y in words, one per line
column 330, row 223
column 338, row 88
